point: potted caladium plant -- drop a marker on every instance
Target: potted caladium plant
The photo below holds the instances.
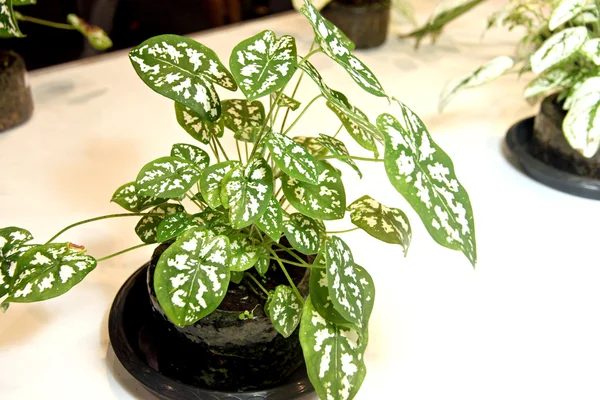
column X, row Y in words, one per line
column 16, row 102
column 561, row 48
column 248, row 287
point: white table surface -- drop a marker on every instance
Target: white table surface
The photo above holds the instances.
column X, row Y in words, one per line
column 523, row 325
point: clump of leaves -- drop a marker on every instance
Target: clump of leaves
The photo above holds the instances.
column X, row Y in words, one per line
column 9, row 24
column 238, row 209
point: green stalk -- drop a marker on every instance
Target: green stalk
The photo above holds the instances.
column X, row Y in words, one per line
column 352, row 158
column 292, row 254
column 214, row 149
column 123, row 251
column 257, row 282
column 344, row 231
column 39, row 21
column 218, row 142
column 302, row 113
column 291, row 282
column 237, row 146
column 338, row 131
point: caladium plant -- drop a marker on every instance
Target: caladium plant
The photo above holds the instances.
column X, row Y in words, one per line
column 226, row 216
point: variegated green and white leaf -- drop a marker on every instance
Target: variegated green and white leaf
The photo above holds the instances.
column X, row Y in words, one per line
column 338, row 148
column 147, row 227
column 243, row 117
column 198, row 128
column 95, row 35
column 190, row 153
column 320, row 295
column 127, row 196
column 547, row 82
column 564, row 11
column 582, row 123
column 192, row 276
column 311, row 144
column 211, row 182
column 286, row 101
column 339, row 48
column 8, row 268
column 325, row 201
column 167, row 177
column 47, row 271
column 284, row 310
column 362, row 136
column 303, row 233
column 12, row 245
column 262, row 265
column 292, row 158
column 183, row 70
column 8, row 21
column 271, row 222
column 390, row 225
column 558, row 48
column 244, row 253
column 171, row 226
column 263, row 63
column 591, row 50
column 334, row 355
column 248, row 191
column 423, row 173
column 212, row 220
column 484, row 74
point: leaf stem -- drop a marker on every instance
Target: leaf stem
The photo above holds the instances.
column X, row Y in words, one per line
column 123, row 251
column 196, row 202
column 257, row 282
column 344, row 231
column 44, row 22
column 302, row 113
column 291, row 282
column 214, row 149
column 292, row 254
column 353, row 158
column 237, row 146
column 338, row 131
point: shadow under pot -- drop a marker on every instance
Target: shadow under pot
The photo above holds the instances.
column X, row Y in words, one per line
column 365, row 22
column 226, row 351
column 549, row 145
column 16, row 101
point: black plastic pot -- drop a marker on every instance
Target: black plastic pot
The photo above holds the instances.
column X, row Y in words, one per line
column 366, row 25
column 16, row 101
column 220, row 357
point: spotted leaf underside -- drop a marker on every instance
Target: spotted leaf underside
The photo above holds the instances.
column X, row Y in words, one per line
column 128, row 197
column 334, row 355
column 263, row 63
column 184, row 71
column 325, row 201
column 8, row 22
column 311, row 144
column 424, row 174
column 246, row 192
column 244, row 253
column 167, row 177
column 147, row 227
column 292, row 158
column 211, row 182
column 284, row 310
column 338, row 148
column 48, row 271
column 271, row 222
column 303, row 233
column 192, row 276
column 200, row 129
column 244, row 118
column 12, row 245
column 389, row 225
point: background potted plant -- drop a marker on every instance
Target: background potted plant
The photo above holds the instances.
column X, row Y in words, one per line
column 16, row 102
column 561, row 48
column 251, row 284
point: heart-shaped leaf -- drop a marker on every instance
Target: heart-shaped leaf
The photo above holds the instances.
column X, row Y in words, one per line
column 243, row 117
column 286, row 101
column 183, row 70
column 12, row 246
column 213, row 221
column 271, row 222
column 244, row 253
column 311, row 145
column 248, row 191
column 95, row 35
column 171, row 226
column 284, row 310
column 303, row 233
column 263, row 63
column 8, row 21
column 127, row 196
column 558, row 48
column 339, row 48
column 390, row 225
column 292, row 158
column 334, row 355
column 423, row 173
column 338, row 148
column 212, row 179
column 45, row 272
column 190, row 153
column 325, row 201
column 199, row 128
column 167, row 177
column 147, row 227
column 192, row 276
column 564, row 11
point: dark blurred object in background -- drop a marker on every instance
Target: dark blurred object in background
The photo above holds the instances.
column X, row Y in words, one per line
column 128, row 22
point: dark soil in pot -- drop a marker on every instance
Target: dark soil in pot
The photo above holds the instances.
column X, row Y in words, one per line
column 365, row 22
column 549, row 145
column 16, row 102
column 223, row 351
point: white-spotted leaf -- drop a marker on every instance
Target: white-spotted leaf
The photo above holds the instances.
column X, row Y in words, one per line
column 303, row 233
column 558, row 48
column 198, row 128
column 362, row 136
column 286, row 101
column 211, row 182
column 547, row 82
column 311, row 144
column 8, row 22
column 12, row 245
column 338, row 148
column 212, row 220
column 171, row 226
column 325, row 201
column 271, row 222
column 183, row 70
column 127, row 196
column 284, row 310
column 244, row 118
column 192, row 276
column 167, row 177
column 190, row 153
column 591, row 50
column 390, row 225
column 292, row 158
column 263, row 63
column 564, row 11
column 582, row 123
column 244, row 253
column 424, row 174
column 262, row 265
column 147, row 227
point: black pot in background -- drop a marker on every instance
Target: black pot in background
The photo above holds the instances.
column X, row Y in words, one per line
column 366, row 25
column 16, row 102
